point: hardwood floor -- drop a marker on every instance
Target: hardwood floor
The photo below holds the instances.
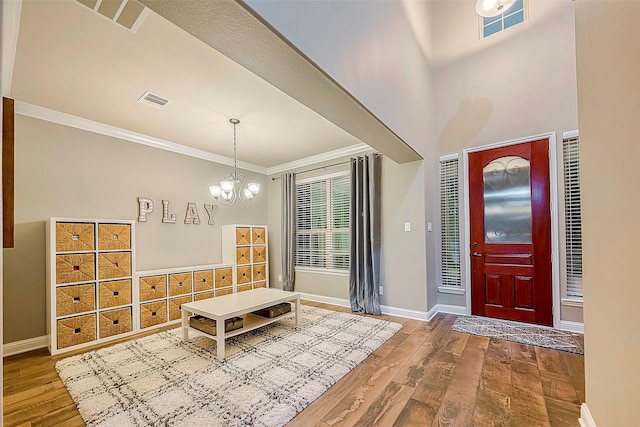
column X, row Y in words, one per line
column 425, row 375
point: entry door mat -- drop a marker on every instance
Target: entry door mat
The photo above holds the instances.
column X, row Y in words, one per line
column 269, row 375
column 522, row 333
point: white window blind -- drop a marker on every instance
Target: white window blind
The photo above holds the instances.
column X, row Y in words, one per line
column 572, row 217
column 449, row 219
column 322, row 223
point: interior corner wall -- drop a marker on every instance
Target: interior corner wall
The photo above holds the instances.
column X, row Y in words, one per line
column 516, row 83
column 66, row 172
column 380, row 53
column 607, row 40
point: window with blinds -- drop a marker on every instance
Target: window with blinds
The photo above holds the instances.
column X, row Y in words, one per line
column 449, row 220
column 516, row 14
column 322, row 222
column 572, row 217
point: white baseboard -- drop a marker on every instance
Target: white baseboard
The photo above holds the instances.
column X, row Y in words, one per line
column 405, row 312
column 385, row 309
column 586, row 420
column 566, row 325
column 327, row 300
column 460, row 310
column 23, row 346
column 432, row 312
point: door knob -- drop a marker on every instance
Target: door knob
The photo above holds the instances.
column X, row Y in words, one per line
column 476, row 254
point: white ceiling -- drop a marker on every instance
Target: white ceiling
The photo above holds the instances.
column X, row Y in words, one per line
column 73, row 60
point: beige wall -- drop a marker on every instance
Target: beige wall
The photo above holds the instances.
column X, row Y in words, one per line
column 514, row 84
column 386, row 67
column 608, row 60
column 66, row 172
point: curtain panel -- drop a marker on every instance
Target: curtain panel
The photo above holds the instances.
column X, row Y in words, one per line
column 364, row 267
column 288, row 229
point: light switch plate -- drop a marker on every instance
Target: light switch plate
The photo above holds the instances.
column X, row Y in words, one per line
column 407, row 226
column 429, row 226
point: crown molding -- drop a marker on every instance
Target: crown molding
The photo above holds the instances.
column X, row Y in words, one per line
column 318, row 158
column 53, row 116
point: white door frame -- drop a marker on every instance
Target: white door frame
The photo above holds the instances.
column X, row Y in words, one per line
column 553, row 196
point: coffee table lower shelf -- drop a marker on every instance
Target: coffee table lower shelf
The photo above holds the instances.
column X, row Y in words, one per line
column 250, row 322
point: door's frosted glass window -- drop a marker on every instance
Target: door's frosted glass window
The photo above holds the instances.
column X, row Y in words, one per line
column 507, row 200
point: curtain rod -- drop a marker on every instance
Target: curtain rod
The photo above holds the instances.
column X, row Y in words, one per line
column 324, row 167
column 316, row 169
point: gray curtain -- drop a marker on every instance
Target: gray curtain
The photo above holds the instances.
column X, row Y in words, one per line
column 288, row 229
column 364, row 268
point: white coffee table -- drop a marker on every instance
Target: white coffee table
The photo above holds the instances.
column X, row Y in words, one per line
column 237, row 304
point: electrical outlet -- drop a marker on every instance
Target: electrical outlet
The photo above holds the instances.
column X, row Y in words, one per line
column 279, row 277
column 429, row 226
column 380, row 291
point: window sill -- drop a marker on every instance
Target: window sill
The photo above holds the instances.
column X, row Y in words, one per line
column 450, row 290
column 322, row 271
column 571, row 302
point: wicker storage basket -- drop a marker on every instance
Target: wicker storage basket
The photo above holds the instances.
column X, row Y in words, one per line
column 76, row 330
column 74, row 236
column 153, row 313
column 113, row 265
column 243, row 255
column 204, row 295
column 243, row 236
column 202, row 280
column 259, row 285
column 174, row 306
column 115, row 322
column 225, row 291
column 243, row 274
column 114, row 236
column 258, row 236
column 224, row 277
column 274, row 310
column 260, row 254
column 259, row 272
column 113, row 294
column 75, row 299
column 242, row 288
column 179, row 284
column 207, row 325
column 75, row 268
column 153, row 287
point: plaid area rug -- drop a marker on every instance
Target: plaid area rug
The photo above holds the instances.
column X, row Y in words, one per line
column 269, row 375
column 522, row 333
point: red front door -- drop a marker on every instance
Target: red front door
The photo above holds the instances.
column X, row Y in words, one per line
column 511, row 233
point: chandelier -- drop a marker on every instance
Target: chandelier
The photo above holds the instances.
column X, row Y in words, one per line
column 230, row 189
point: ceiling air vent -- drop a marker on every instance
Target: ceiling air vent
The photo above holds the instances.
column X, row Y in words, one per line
column 128, row 13
column 154, row 100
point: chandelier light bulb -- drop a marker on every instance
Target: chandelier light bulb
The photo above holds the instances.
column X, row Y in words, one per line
column 215, row 191
column 227, row 186
column 248, row 194
column 254, row 188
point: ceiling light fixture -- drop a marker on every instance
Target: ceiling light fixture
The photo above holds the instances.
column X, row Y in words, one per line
column 489, row 8
column 230, row 189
